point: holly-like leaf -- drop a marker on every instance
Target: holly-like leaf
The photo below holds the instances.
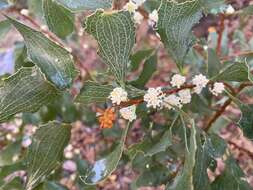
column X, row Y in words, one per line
column 93, row 92
column 82, row 5
column 238, row 72
column 54, row 61
column 105, row 166
column 46, row 151
column 25, row 91
column 115, row 34
column 149, row 68
column 59, row 19
column 175, row 27
column 213, row 63
column 246, row 121
column 232, row 178
column 185, row 179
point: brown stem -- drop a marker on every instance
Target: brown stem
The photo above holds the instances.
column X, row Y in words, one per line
column 241, row 149
column 222, row 27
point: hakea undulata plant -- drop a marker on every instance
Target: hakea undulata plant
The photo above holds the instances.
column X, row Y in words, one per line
column 178, row 123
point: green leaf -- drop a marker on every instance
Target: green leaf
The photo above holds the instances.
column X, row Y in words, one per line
column 46, row 151
column 25, row 91
column 238, row 72
column 15, row 184
column 208, row 148
column 9, row 169
column 213, row 63
column 82, row 5
column 246, row 120
column 175, row 27
column 105, row 166
column 248, row 11
column 50, row 185
column 5, row 27
column 54, row 61
column 212, row 6
column 138, row 57
column 93, row 92
column 185, row 179
column 115, row 34
column 232, row 178
column 9, row 152
column 59, row 19
column 149, row 68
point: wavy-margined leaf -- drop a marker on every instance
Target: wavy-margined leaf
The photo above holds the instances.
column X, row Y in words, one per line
column 185, row 179
column 82, row 5
column 93, row 92
column 208, row 148
column 54, row 61
column 238, row 72
column 232, row 178
column 46, row 151
column 25, row 91
column 175, row 26
column 59, row 19
column 105, row 166
column 115, row 34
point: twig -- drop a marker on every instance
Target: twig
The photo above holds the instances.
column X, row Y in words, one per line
column 241, row 149
column 220, row 34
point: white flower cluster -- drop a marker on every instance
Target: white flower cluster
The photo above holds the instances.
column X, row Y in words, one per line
column 218, row 88
column 118, row 95
column 154, row 97
column 132, row 7
column 70, row 151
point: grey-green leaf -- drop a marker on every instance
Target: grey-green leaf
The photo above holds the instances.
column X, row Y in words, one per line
column 5, row 27
column 238, row 72
column 175, row 27
column 46, row 151
column 138, row 57
column 54, row 61
column 185, row 179
column 7, row 154
column 115, row 34
column 82, row 5
column 59, row 19
column 246, row 121
column 149, row 68
column 213, row 63
column 105, row 166
column 25, row 91
column 93, row 92
column 232, row 178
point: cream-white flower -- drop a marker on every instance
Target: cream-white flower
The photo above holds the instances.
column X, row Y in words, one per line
column 185, row 96
column 178, row 80
column 218, row 88
column 118, row 95
column 230, row 10
column 131, row 7
column 128, row 113
column 172, row 100
column 138, row 18
column 154, row 97
column 154, row 16
column 139, row 2
column 200, row 81
column 24, row 12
